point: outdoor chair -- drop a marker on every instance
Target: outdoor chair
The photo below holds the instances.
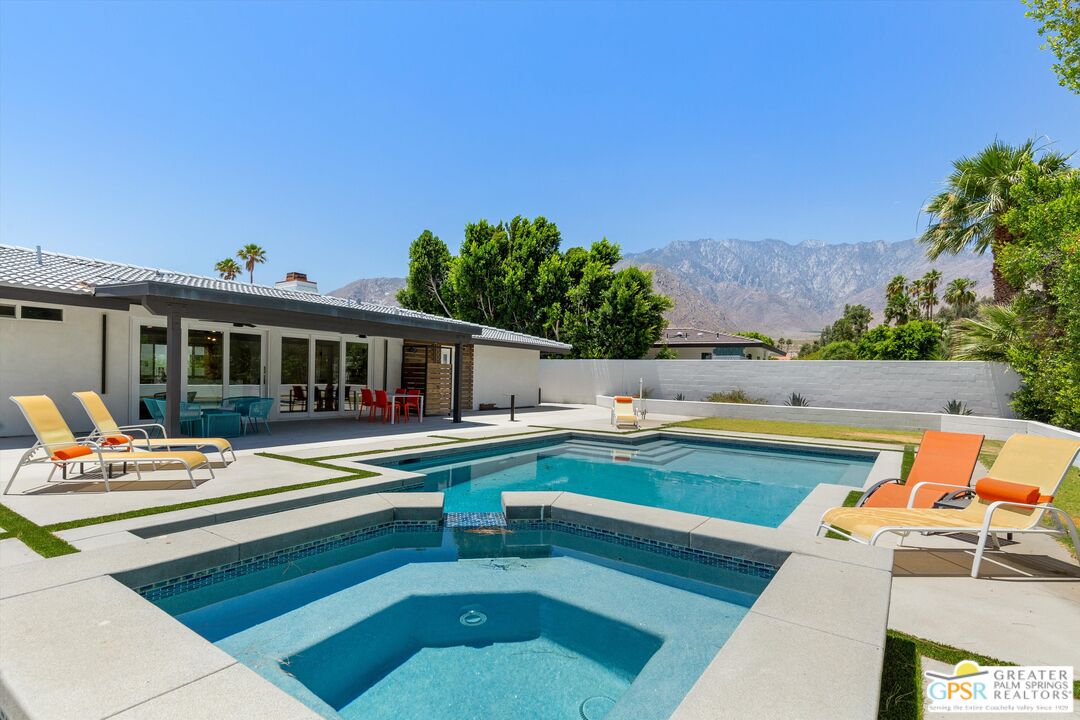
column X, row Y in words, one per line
column 1013, row 498
column 382, row 403
column 367, row 400
column 622, row 411
column 944, row 462
column 57, row 445
column 137, row 437
column 259, row 411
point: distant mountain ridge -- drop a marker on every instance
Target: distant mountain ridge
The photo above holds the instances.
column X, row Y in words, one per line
column 766, row 285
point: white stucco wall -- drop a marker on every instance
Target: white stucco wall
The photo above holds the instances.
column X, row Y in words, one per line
column 43, row 357
column 913, row 386
column 500, row 371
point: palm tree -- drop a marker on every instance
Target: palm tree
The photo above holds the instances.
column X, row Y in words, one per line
column 970, row 211
column 252, row 255
column 896, row 286
column 990, row 336
column 897, row 306
column 930, row 282
column 228, row 269
column 960, row 294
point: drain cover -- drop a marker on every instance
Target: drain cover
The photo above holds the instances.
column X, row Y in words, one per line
column 472, row 618
column 596, row 707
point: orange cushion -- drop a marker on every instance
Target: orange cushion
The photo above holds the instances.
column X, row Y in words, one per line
column 993, row 490
column 623, row 399
column 72, row 452
column 116, row 440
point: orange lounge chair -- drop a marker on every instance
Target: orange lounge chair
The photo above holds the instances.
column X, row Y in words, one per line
column 945, row 461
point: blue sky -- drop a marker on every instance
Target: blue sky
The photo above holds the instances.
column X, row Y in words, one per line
column 333, row 133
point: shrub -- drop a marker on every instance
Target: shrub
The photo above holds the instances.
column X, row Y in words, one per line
column 955, row 407
column 666, row 353
column 679, row 396
column 839, row 350
column 797, row 400
column 738, row 395
column 914, row 340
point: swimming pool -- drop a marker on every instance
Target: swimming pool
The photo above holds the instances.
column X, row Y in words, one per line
column 759, row 484
column 538, row 622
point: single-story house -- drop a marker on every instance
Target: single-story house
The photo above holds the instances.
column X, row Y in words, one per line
column 70, row 323
column 695, row 344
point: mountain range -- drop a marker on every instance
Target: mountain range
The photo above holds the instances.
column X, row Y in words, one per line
column 770, row 286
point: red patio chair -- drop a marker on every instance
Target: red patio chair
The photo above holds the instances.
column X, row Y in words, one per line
column 412, row 402
column 382, row 402
column 367, row 400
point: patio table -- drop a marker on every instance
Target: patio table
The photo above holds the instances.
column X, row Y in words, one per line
column 218, row 422
column 394, row 404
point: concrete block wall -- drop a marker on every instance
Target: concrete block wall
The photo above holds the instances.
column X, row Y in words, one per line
column 910, row 386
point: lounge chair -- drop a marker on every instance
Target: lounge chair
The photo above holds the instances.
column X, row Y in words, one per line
column 58, row 446
column 1011, row 499
column 107, row 432
column 945, row 461
column 622, row 411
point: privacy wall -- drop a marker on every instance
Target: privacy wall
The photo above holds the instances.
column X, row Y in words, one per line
column 916, row 386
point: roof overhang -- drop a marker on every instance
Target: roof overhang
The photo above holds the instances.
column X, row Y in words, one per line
column 542, row 347
column 163, row 298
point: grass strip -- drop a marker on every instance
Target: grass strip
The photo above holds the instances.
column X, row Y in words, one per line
column 144, row 512
column 801, row 429
column 34, row 536
column 901, row 679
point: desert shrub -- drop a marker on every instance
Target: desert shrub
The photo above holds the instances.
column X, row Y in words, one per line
column 738, row 395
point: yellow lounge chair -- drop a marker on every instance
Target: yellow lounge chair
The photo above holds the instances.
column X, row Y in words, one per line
column 1011, row 499
column 107, row 432
column 622, row 411
column 58, row 446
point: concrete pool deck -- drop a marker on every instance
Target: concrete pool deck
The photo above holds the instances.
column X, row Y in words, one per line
column 1027, row 611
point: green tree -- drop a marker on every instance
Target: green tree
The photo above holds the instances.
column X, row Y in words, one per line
column 970, row 211
column 758, row 336
column 897, row 303
column 426, row 287
column 840, row 350
column 929, row 298
column 914, row 340
column 1044, row 263
column 631, row 316
column 1059, row 23
column 960, row 296
column 666, row 353
column 228, row 269
column 252, row 255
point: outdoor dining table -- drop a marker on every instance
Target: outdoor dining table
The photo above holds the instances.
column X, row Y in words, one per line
column 394, row 403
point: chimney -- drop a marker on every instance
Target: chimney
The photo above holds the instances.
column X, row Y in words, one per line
column 297, row 281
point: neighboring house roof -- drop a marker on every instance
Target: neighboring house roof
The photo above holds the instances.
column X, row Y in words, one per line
column 695, row 338
column 69, row 274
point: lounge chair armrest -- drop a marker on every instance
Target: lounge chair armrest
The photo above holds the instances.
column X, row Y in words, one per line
column 915, row 489
column 873, row 489
column 142, row 428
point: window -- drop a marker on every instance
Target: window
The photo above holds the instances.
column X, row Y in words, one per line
column 7, row 311
column 205, row 365
column 706, row 356
column 245, row 359
column 292, row 396
column 31, row 312
column 356, row 373
column 152, row 351
column 327, row 367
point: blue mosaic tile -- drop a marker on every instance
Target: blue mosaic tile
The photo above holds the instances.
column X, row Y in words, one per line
column 221, row 573
column 474, row 520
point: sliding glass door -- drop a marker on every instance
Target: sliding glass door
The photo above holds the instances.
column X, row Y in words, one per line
column 152, row 378
column 356, row 373
column 245, row 365
column 327, row 369
column 293, row 390
column 206, row 367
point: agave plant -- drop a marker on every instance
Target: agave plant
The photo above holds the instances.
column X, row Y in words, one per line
column 797, row 400
column 955, row 407
column 679, row 396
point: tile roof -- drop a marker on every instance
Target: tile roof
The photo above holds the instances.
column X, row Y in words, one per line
column 695, row 336
column 59, row 272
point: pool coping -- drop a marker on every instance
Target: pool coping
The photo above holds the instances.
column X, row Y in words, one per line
column 68, row 617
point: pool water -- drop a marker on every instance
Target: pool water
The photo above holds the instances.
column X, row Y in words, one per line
column 757, row 484
column 464, row 624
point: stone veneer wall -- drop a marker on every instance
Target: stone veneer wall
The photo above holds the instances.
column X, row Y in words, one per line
column 912, row 386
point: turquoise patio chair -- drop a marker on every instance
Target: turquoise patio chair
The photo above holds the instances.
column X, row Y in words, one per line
column 259, row 411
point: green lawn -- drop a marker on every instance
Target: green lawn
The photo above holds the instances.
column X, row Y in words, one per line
column 811, row 430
